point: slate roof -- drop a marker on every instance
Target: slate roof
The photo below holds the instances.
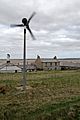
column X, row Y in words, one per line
column 49, row 60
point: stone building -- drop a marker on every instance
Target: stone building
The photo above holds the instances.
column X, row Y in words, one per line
column 47, row 63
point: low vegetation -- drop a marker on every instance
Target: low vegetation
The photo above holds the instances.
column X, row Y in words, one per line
column 51, row 95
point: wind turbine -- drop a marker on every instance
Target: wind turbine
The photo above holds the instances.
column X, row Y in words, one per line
column 25, row 24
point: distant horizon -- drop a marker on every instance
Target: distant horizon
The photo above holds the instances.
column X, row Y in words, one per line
column 44, row 58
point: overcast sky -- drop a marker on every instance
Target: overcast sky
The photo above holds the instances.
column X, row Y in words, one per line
column 56, row 27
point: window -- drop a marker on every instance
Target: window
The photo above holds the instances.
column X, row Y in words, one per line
column 55, row 63
column 45, row 64
column 50, row 63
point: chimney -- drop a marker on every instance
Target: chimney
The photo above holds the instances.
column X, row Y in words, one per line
column 8, row 58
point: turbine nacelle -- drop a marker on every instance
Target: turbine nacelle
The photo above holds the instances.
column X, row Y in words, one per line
column 24, row 21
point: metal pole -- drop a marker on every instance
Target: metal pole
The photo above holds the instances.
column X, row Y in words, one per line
column 24, row 60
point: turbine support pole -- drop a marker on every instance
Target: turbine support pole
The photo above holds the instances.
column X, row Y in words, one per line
column 24, row 60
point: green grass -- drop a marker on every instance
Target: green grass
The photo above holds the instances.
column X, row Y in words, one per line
column 54, row 95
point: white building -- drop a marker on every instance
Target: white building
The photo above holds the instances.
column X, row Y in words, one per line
column 9, row 67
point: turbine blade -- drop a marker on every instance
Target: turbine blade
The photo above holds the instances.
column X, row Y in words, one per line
column 31, row 33
column 16, row 25
column 31, row 16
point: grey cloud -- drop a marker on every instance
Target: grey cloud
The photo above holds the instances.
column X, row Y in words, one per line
column 56, row 26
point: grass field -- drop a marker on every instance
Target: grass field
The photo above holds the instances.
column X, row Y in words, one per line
column 53, row 95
